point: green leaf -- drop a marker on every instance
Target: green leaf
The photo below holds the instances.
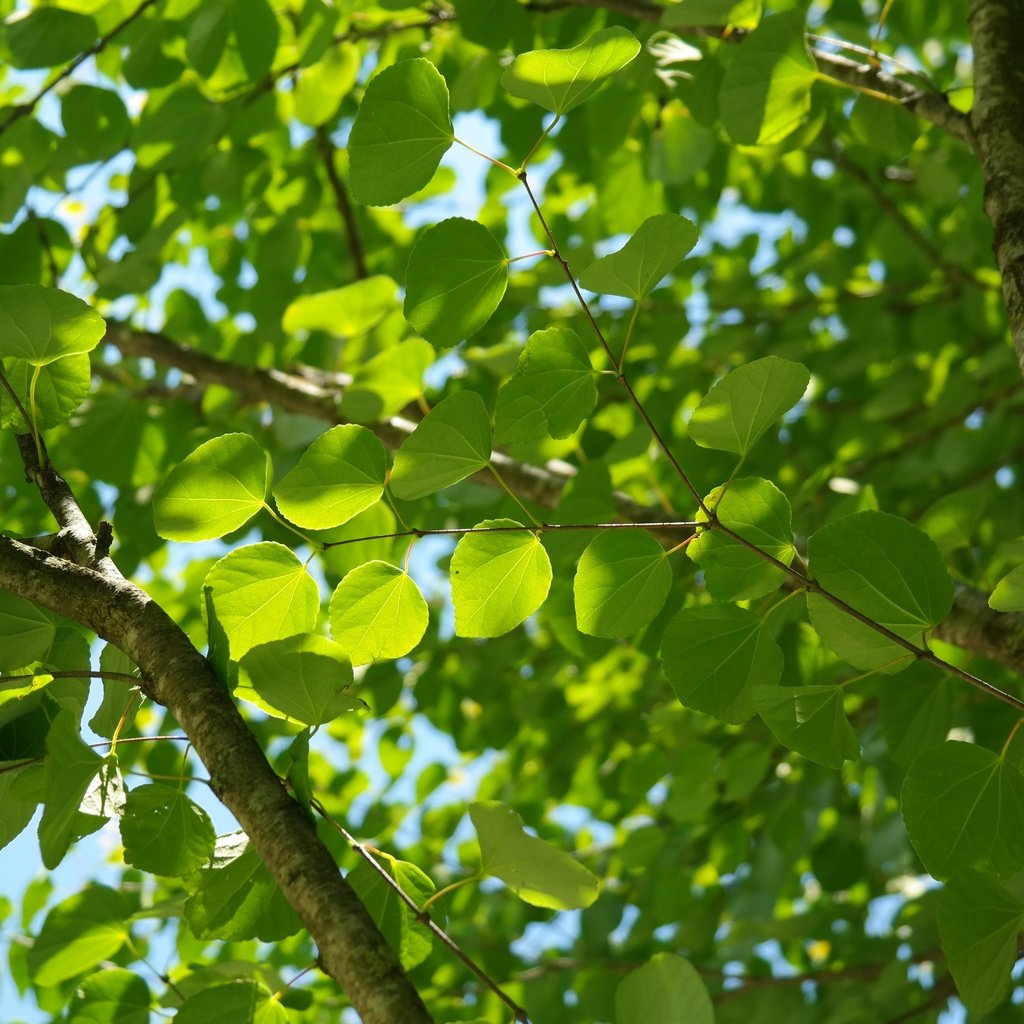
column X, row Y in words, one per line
column 451, row 442
column 236, row 899
column 737, row 13
column 340, row 474
column 887, row 570
column 164, row 832
column 455, row 278
column 918, row 713
column 666, row 989
column 262, row 592
column 112, row 996
column 213, row 491
column 760, row 513
column 321, row 88
column 240, row 1001
column 559, row 80
column 377, row 612
column 345, row 312
column 1009, row 593
column 401, row 131
column 95, row 120
column 28, row 631
column 810, row 720
column 714, row 655
column 638, row 267
column 70, row 768
column 538, row 873
column 552, row 392
column 45, row 36
column 621, row 583
column 980, row 920
column 746, row 403
column 60, row 388
column 302, row 678
column 963, row 805
column 233, row 42
column 498, row 579
column 77, row 935
column 407, row 937
column 388, row 382
column 766, row 92
column 42, row 325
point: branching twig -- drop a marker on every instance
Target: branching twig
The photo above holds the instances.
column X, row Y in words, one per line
column 353, row 236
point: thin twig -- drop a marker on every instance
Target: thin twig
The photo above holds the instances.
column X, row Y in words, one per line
column 353, row 236
column 24, row 109
column 422, row 916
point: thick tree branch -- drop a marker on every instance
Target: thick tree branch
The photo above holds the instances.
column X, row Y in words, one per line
column 971, row 624
column 174, row 674
column 997, row 35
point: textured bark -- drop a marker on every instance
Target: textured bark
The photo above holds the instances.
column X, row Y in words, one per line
column 176, row 675
column 997, row 35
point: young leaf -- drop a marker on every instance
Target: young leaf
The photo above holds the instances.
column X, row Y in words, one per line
column 766, row 92
column 559, row 80
column 621, row 583
column 456, row 276
column 303, row 678
column 400, row 133
column 760, row 513
column 963, row 805
column 376, row 612
column 344, row 312
column 552, row 392
column 41, row 325
column 740, row 408
column 70, row 768
column 452, row 442
column 408, row 937
column 164, row 832
column 666, row 989
column 388, row 382
column 886, row 569
column 340, row 474
column 1009, row 593
column 78, row 934
column 498, row 579
column 538, row 873
column 262, row 592
column 213, row 491
column 810, row 720
column 980, row 920
column 638, row 267
column 714, row 655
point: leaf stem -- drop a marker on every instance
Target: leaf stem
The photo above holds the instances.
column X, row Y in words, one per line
column 679, row 547
column 529, row 255
column 315, row 545
column 629, row 334
column 491, row 159
column 543, row 135
column 512, row 494
column 447, row 889
column 1009, row 739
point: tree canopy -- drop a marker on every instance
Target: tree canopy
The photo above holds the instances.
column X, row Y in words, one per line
column 511, row 510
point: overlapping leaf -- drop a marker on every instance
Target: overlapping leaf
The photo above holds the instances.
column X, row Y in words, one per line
column 165, row 832
column 810, row 720
column 42, row 325
column 456, row 276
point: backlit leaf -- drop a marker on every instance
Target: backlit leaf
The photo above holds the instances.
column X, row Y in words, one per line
column 346, row 312
column 111, row 996
column 262, row 592
column 41, row 325
column 666, row 989
column 452, row 442
column 27, row 630
column 376, row 612
column 552, row 392
column 456, row 276
column 810, row 720
column 164, row 832
column 1009, row 593
column 652, row 253
column 498, row 579
column 59, row 389
column 621, row 583
column 535, row 871
column 339, row 475
column 740, row 408
column 737, row 13
column 213, row 491
column 401, row 131
column 559, row 80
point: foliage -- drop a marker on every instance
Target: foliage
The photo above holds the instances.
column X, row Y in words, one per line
column 583, row 442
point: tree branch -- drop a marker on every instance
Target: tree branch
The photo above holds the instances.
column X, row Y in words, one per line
column 971, row 624
column 341, row 201
column 176, row 675
column 997, row 35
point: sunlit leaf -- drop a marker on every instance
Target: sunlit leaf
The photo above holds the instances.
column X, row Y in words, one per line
column 667, row 989
column 535, row 871
column 41, row 325
column 164, row 832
